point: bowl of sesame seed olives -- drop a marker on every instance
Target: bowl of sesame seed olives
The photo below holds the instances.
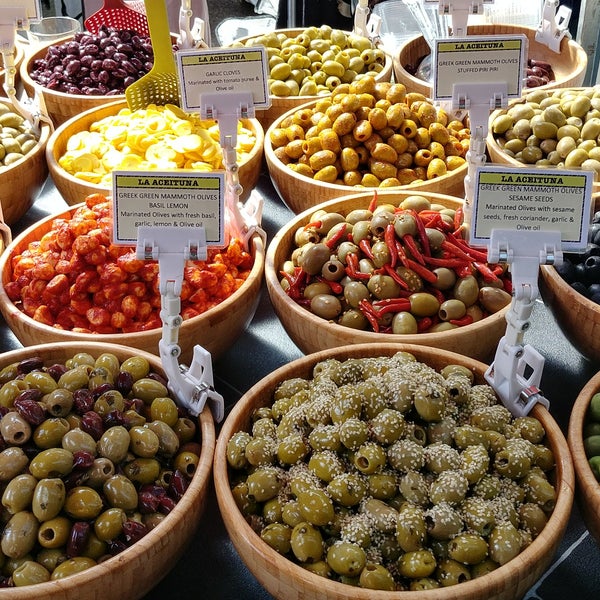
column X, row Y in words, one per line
column 23, row 167
column 393, row 469
column 386, row 267
column 104, row 476
column 584, row 443
column 305, row 64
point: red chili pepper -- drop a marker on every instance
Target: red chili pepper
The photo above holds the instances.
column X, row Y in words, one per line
column 297, row 282
column 336, row 237
column 336, row 288
column 437, row 293
column 313, row 225
column 466, row 320
column 352, row 267
column 401, row 253
column 487, row 274
column 464, row 271
column 366, row 248
column 455, row 250
column 373, row 203
column 471, row 252
column 423, row 324
column 508, row 286
column 450, row 263
column 367, row 310
column 459, row 215
column 434, row 220
column 389, row 237
column 410, row 244
column 422, row 233
column 387, row 305
column 421, row 271
column 392, row 273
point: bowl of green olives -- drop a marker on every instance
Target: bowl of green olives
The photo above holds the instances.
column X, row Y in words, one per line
column 311, row 62
column 365, row 466
column 366, row 135
column 337, row 274
column 104, row 477
column 23, row 167
column 567, row 67
column 584, row 442
column 549, row 128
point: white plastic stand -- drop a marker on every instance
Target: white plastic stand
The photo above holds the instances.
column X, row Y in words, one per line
column 365, row 25
column 459, row 11
column 190, row 37
column 243, row 220
column 172, row 246
column 517, row 369
column 554, row 25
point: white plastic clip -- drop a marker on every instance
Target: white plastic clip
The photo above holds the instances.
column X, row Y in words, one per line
column 517, row 369
column 459, row 11
column 193, row 386
column 242, row 220
column 554, row 25
column 190, row 37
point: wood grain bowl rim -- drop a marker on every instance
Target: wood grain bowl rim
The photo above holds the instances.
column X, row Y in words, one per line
column 74, row 586
column 528, row 561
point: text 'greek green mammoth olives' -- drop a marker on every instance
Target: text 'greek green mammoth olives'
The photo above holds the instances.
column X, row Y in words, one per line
column 402, row 477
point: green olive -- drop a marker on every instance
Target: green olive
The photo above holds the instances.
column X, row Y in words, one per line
column 306, row 542
column 49, row 433
column 72, row 566
column 75, row 378
column 18, row 494
column 19, row 535
column 53, row 462
column 137, row 366
column 120, row 492
column 143, row 442
column 82, row 503
column 147, row 389
column 29, row 573
column 167, row 438
column 54, row 533
column 109, row 524
column 114, row 443
column 326, row 306
column 423, row 304
column 346, row 558
column 48, row 498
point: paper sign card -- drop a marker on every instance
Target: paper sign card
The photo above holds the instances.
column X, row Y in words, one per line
column 168, row 199
column 223, row 70
column 481, row 59
column 532, row 200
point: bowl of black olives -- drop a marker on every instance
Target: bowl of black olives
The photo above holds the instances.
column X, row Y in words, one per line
column 572, row 292
column 380, row 471
column 104, row 476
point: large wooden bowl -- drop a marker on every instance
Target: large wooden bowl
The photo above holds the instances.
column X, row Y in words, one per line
column 284, row 579
column 588, row 487
column 74, row 190
column 281, row 105
column 300, row 192
column 21, row 182
column 134, row 572
column 312, row 333
column 577, row 316
column 59, row 106
column 215, row 330
column 569, row 65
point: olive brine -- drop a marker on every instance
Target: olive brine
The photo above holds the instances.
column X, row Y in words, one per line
column 94, row 454
column 385, row 473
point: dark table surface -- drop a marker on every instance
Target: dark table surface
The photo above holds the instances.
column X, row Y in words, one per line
column 211, row 567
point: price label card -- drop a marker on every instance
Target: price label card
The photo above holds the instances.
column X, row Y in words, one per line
column 168, row 199
column 489, row 59
column 532, row 200
column 223, row 70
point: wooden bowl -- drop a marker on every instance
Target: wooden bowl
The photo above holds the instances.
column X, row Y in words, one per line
column 215, row 330
column 59, row 106
column 281, row 105
column 300, row 192
column 19, row 54
column 312, row 333
column 135, row 571
column 75, row 190
column 497, row 154
column 588, row 487
column 21, row 182
column 569, row 65
column 284, row 579
column 577, row 316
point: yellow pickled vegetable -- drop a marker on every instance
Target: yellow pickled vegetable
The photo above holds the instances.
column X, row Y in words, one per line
column 155, row 138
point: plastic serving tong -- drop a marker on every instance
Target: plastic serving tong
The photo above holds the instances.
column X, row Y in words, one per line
column 161, row 85
column 117, row 14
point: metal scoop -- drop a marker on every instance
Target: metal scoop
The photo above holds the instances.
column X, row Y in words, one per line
column 161, row 85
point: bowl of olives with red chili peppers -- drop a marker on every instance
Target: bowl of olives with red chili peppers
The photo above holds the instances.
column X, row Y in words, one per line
column 104, row 476
column 572, row 293
column 390, row 471
column 386, row 267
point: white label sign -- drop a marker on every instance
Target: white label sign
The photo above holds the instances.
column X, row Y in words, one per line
column 223, row 70
column 485, row 59
column 532, row 200
column 168, row 199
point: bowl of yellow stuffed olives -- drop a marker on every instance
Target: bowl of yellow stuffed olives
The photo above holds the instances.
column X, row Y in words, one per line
column 104, row 476
column 584, row 443
column 385, row 267
column 305, row 64
column 376, row 471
